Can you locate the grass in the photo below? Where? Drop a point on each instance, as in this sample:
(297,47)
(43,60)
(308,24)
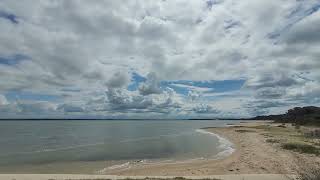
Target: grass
(314,175)
(273,140)
(277,130)
(301,147)
(313,134)
(307,171)
(311,174)
(290,138)
(244,131)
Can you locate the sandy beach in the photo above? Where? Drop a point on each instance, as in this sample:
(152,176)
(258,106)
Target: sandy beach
(253,155)
(111,177)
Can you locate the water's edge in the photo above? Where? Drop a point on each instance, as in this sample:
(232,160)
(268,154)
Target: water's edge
(227,149)
(87,147)
(226,145)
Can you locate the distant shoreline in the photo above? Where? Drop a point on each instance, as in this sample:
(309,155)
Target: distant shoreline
(302,114)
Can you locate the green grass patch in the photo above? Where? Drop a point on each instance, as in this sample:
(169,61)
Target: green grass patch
(273,140)
(243,130)
(279,131)
(264,127)
(301,147)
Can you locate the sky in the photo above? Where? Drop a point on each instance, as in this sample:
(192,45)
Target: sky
(158,59)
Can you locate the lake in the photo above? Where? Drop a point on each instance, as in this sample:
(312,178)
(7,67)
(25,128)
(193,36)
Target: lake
(68,141)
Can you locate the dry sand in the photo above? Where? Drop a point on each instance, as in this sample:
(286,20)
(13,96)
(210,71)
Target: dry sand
(109,177)
(254,158)
(253,155)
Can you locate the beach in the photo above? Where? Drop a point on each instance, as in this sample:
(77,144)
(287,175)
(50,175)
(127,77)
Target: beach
(252,155)
(111,177)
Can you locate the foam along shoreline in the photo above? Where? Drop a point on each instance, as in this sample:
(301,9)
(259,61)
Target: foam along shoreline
(251,154)
(226,146)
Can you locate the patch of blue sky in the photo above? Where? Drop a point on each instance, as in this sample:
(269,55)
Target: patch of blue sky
(70,90)
(136,79)
(225,95)
(220,86)
(184,86)
(24,95)
(177,89)
(8,16)
(212,86)
(228,85)
(13,60)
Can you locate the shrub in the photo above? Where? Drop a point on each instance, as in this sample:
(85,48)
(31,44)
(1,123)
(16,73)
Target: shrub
(309,174)
(273,140)
(282,125)
(244,130)
(307,171)
(301,147)
(313,134)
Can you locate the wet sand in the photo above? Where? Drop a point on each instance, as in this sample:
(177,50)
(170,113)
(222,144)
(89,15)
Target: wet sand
(253,158)
(253,155)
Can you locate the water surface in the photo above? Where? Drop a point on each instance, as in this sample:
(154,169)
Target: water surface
(45,142)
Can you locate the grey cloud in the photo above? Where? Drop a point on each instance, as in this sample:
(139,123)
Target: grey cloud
(151,86)
(121,100)
(154,29)
(306,31)
(119,80)
(70,108)
(264,104)
(124,101)
(192,95)
(274,79)
(270,93)
(36,107)
(205,109)
(308,93)
(269,106)
(3,100)
(177,40)
(28,107)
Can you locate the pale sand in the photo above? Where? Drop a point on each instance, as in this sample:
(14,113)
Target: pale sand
(101,177)
(254,158)
(253,155)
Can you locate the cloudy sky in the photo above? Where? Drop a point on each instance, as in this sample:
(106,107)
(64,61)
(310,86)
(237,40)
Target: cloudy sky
(157,59)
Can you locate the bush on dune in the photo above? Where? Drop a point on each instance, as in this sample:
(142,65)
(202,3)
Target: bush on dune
(301,147)
(310,174)
(307,171)
(273,140)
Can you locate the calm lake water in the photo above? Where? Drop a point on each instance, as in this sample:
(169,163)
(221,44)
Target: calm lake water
(43,142)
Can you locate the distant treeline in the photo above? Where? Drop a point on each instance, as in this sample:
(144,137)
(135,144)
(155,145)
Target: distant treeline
(298,115)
